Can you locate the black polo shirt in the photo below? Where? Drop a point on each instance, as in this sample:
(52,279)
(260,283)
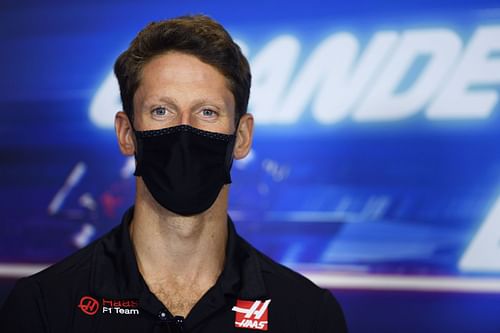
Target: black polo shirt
(99,289)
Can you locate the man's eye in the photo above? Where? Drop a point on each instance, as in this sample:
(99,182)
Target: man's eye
(208,113)
(161,111)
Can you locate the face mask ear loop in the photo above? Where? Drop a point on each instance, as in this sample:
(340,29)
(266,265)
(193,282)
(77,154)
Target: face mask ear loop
(138,150)
(230,148)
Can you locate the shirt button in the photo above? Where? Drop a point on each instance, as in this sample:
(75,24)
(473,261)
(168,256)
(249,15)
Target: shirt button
(163,315)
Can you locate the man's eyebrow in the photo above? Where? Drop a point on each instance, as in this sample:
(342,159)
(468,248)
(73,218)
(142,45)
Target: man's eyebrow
(218,103)
(155,100)
(152,101)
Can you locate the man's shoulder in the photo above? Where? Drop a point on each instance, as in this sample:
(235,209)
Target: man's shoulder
(278,277)
(74,267)
(75,263)
(51,295)
(298,300)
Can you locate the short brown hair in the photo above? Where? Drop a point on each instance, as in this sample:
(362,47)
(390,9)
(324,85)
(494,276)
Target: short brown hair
(197,35)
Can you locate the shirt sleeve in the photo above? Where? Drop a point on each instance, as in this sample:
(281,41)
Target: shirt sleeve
(330,316)
(22,312)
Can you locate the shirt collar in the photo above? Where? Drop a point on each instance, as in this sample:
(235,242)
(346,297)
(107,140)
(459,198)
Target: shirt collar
(114,272)
(242,274)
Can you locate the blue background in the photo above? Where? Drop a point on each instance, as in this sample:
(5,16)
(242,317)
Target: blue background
(376,198)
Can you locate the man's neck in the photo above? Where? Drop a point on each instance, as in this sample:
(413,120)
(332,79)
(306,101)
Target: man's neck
(178,252)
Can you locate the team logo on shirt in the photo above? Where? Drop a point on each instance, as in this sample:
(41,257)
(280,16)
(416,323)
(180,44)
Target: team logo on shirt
(90,306)
(251,314)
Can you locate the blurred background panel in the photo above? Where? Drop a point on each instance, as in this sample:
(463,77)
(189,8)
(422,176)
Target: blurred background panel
(375,169)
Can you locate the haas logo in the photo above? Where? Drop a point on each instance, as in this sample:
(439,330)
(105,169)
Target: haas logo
(251,314)
(89,305)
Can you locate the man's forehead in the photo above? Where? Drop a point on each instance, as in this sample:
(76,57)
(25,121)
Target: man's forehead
(163,77)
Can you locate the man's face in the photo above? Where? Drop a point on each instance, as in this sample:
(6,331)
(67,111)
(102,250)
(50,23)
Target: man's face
(177,88)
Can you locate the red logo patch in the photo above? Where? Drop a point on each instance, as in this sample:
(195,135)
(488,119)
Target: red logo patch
(251,314)
(89,305)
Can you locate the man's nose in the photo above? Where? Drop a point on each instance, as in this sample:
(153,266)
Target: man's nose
(186,118)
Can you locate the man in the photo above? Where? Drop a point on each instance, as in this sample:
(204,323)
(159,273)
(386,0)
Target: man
(176,264)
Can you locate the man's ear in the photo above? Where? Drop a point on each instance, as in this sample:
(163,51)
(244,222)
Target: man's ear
(124,134)
(244,135)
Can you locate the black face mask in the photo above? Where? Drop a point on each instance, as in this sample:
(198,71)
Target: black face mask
(183,167)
